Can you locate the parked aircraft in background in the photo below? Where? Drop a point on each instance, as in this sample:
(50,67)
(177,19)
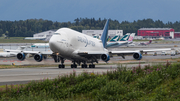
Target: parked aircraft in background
(115,38)
(80,48)
(131,44)
(36,38)
(131,37)
(115,43)
(40,45)
(126,40)
(161,38)
(130,40)
(145,43)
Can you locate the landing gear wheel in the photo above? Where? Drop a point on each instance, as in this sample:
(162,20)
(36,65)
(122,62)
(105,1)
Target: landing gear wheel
(61,66)
(84,66)
(73,66)
(92,66)
(62,61)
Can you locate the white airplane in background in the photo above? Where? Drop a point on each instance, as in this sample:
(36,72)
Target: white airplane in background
(145,43)
(131,37)
(124,41)
(115,38)
(130,40)
(80,48)
(36,38)
(40,45)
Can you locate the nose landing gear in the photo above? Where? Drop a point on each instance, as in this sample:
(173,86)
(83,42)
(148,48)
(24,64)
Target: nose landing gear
(62,65)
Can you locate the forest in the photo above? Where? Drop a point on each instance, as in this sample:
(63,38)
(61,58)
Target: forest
(26,28)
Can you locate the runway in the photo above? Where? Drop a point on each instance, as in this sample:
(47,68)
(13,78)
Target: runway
(24,75)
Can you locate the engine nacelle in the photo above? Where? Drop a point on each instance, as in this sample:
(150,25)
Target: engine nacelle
(38,57)
(21,56)
(105,57)
(137,56)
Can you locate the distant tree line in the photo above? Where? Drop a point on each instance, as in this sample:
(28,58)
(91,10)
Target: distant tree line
(26,28)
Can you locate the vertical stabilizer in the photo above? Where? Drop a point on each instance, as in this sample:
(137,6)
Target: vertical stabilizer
(131,37)
(115,38)
(125,37)
(105,34)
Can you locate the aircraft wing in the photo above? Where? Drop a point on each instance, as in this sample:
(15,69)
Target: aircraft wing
(123,52)
(154,50)
(38,52)
(8,50)
(90,52)
(138,51)
(30,52)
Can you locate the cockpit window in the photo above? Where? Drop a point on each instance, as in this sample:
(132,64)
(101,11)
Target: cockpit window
(57,34)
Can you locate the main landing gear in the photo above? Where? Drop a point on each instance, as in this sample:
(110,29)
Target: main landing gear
(61,65)
(84,65)
(92,66)
(74,65)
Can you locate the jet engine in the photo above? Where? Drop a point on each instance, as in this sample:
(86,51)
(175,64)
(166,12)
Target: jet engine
(38,57)
(21,56)
(105,57)
(137,56)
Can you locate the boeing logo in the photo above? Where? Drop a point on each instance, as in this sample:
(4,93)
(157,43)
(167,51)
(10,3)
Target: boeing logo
(86,41)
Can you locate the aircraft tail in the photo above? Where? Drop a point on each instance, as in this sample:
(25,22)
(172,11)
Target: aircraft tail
(115,38)
(125,37)
(105,34)
(131,37)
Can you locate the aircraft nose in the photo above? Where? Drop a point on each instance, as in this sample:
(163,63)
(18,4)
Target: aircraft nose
(52,43)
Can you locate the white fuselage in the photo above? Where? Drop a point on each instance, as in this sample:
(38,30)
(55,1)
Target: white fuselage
(68,43)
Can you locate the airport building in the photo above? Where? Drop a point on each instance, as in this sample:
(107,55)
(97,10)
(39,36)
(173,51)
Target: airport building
(176,34)
(98,33)
(156,32)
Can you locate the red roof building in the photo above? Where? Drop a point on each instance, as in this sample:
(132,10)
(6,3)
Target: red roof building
(156,32)
(176,34)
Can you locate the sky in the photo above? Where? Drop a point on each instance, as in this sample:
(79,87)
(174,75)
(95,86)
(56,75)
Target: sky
(68,10)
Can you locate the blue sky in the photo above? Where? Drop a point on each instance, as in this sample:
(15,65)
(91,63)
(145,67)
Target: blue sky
(68,10)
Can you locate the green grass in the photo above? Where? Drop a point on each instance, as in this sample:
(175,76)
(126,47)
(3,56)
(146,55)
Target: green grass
(26,66)
(158,82)
(19,40)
